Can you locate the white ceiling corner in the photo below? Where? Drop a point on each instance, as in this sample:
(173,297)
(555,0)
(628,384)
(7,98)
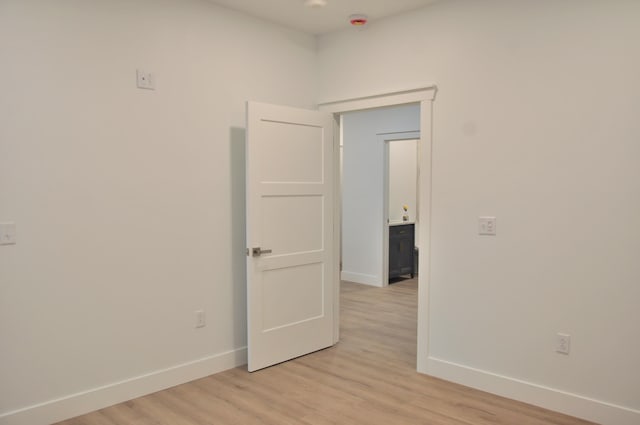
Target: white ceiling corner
(320,20)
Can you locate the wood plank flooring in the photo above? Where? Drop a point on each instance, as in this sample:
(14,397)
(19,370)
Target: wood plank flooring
(368,378)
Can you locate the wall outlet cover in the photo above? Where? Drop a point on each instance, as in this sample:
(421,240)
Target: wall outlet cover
(563,343)
(201,321)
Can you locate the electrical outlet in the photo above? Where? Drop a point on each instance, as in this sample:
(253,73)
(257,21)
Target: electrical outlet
(200,319)
(563,343)
(487,226)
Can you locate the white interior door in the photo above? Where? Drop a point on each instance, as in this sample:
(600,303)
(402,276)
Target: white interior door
(290,196)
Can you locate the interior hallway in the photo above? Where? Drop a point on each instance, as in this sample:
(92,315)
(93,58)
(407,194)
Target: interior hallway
(368,378)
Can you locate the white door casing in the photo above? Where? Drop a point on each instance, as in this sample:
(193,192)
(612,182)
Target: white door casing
(290,212)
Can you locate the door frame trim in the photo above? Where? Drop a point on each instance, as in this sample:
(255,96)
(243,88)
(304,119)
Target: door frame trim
(425,96)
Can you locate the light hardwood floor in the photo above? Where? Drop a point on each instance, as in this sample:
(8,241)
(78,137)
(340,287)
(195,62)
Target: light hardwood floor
(368,378)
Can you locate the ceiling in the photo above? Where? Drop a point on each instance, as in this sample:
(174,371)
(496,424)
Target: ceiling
(320,20)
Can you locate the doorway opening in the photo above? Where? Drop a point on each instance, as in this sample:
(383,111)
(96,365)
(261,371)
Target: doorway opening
(424,97)
(366,136)
(400,200)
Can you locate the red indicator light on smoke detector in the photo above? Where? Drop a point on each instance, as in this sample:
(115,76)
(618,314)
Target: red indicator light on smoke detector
(358,20)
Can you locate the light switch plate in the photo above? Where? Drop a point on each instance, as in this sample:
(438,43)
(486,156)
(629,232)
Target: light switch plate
(7,233)
(487,226)
(145,80)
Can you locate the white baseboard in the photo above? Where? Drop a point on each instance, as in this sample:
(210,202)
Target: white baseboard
(538,395)
(108,395)
(365,279)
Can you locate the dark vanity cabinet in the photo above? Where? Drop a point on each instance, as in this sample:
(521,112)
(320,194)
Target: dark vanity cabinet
(401,248)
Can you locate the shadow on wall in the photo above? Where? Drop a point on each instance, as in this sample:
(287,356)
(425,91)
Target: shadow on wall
(239,234)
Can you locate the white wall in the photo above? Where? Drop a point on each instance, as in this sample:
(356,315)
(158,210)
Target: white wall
(363,185)
(129,204)
(403,179)
(535,122)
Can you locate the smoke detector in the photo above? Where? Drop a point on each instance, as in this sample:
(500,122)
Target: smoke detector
(315,3)
(358,20)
